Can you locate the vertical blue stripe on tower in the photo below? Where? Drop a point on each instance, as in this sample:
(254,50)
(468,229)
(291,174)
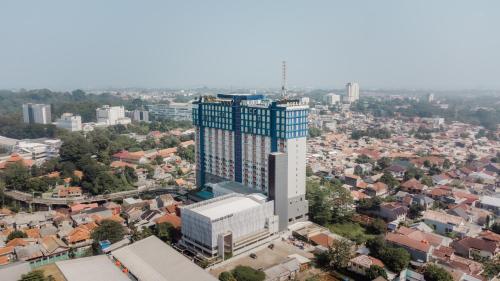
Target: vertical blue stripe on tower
(237,139)
(274,129)
(202,145)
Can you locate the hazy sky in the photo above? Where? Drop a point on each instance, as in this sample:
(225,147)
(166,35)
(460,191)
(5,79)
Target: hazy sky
(440,44)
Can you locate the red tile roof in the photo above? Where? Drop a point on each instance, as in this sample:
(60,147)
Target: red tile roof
(403,240)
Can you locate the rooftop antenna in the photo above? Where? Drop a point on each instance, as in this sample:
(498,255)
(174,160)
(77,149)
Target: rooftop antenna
(283,83)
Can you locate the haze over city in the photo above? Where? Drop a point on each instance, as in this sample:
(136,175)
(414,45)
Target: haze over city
(65,45)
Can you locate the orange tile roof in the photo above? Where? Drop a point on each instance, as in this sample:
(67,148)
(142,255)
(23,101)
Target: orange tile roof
(173,219)
(121,164)
(17,242)
(322,239)
(79,234)
(78,174)
(167,151)
(4,260)
(180,182)
(32,232)
(81,206)
(6,250)
(403,240)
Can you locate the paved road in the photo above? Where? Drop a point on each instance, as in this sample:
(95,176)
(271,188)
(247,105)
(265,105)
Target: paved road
(28,198)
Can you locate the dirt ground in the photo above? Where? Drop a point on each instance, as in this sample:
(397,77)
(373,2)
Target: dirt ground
(51,269)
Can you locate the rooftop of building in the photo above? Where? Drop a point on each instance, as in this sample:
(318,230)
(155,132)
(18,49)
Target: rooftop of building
(90,269)
(225,205)
(150,259)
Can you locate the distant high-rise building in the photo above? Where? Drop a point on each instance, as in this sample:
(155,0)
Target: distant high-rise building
(235,137)
(138,115)
(112,115)
(352,92)
(332,99)
(173,111)
(70,122)
(36,113)
(430,97)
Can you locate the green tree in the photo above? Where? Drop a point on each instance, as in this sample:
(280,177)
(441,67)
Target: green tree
(396,259)
(108,230)
(226,276)
(426,180)
(16,234)
(384,162)
(186,153)
(319,206)
(75,147)
(378,226)
(246,273)
(309,171)
(415,211)
(389,179)
(314,132)
(375,271)
(433,272)
(16,175)
(166,232)
(376,245)
(446,164)
(362,159)
(496,228)
(130,174)
(491,268)
(341,203)
(339,253)
(35,275)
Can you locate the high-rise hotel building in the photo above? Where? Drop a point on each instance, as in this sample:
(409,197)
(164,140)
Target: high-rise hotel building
(238,134)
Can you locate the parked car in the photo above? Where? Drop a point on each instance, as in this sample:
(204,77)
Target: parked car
(253,255)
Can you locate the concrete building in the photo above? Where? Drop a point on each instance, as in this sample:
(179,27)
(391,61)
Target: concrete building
(70,122)
(236,137)
(138,115)
(112,115)
(236,133)
(332,99)
(37,113)
(173,111)
(352,89)
(228,225)
(38,151)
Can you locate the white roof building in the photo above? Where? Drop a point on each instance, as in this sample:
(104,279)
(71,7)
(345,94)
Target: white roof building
(231,223)
(150,259)
(91,269)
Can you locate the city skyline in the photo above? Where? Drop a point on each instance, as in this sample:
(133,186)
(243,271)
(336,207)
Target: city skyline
(390,45)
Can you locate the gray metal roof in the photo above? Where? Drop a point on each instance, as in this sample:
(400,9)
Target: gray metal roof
(152,260)
(91,269)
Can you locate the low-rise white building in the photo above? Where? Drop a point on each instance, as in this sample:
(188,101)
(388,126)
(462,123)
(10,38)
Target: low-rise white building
(228,225)
(112,115)
(70,122)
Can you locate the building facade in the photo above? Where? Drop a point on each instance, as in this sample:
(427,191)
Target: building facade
(228,225)
(236,133)
(37,113)
(112,115)
(70,122)
(352,89)
(235,138)
(173,111)
(138,115)
(332,99)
